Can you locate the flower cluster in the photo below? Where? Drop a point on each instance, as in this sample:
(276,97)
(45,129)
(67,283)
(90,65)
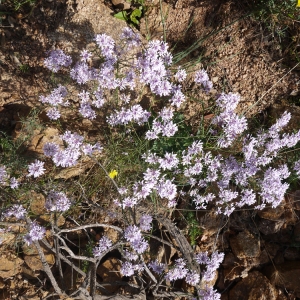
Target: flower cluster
(57,59)
(232,124)
(103,245)
(212,263)
(17,211)
(201,77)
(36,232)
(36,168)
(134,236)
(57,201)
(69,156)
(5,179)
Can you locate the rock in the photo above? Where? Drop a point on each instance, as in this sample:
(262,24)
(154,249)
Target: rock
(2,284)
(9,267)
(292,254)
(49,218)
(34,261)
(121,4)
(32,258)
(245,245)
(255,286)
(285,275)
(7,238)
(269,227)
(49,135)
(70,172)
(112,234)
(296,233)
(109,272)
(270,213)
(295,198)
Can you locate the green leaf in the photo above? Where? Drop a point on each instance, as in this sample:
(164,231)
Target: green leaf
(122,15)
(134,15)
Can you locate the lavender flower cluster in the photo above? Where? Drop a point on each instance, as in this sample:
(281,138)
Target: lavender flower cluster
(252,178)
(69,156)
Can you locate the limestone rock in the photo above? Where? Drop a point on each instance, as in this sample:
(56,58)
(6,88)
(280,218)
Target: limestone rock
(285,275)
(245,245)
(121,4)
(34,261)
(270,213)
(109,272)
(269,227)
(255,286)
(9,267)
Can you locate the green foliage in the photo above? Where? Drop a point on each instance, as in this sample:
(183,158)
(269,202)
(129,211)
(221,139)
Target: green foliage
(133,15)
(24,68)
(280,18)
(194,230)
(182,138)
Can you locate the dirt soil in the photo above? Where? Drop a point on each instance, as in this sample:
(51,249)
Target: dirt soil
(239,56)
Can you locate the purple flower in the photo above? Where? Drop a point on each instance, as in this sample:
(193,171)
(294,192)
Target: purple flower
(202,258)
(202,78)
(81,73)
(53,113)
(169,129)
(87,111)
(56,97)
(272,189)
(103,245)
(17,211)
(56,60)
(169,162)
(156,266)
(145,222)
(209,294)
(85,55)
(13,183)
(180,75)
(3,175)
(57,201)
(132,233)
(178,272)
(177,99)
(36,169)
(132,39)
(192,278)
(107,45)
(228,102)
(139,245)
(50,149)
(297,167)
(127,269)
(130,255)
(36,232)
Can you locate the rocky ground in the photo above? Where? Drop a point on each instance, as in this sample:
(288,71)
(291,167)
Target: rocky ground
(262,256)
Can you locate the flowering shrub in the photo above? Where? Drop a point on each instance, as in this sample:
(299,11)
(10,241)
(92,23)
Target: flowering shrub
(249,176)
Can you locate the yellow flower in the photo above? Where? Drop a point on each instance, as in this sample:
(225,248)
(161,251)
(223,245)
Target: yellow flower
(298,4)
(112,174)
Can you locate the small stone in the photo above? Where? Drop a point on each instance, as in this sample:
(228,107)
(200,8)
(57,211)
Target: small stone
(245,245)
(285,275)
(9,268)
(269,227)
(255,286)
(109,272)
(270,213)
(121,4)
